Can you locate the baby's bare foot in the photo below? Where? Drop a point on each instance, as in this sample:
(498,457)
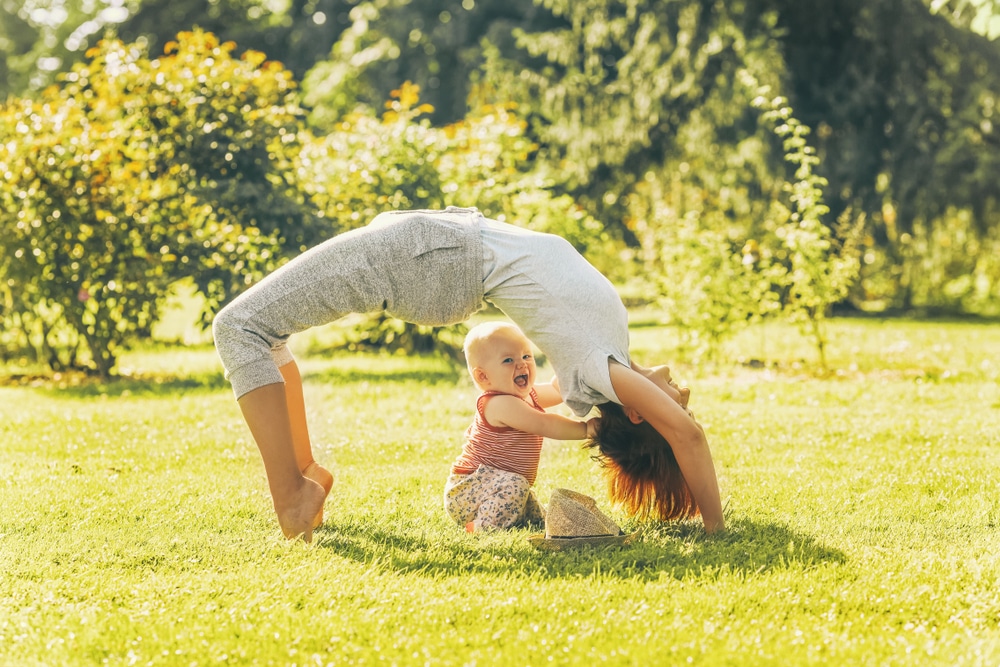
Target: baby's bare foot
(324,478)
(297,518)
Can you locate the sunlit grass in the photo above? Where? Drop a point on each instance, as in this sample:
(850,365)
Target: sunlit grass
(863,505)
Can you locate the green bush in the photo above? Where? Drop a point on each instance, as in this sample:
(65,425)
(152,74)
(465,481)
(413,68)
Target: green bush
(135,173)
(720,256)
(820,266)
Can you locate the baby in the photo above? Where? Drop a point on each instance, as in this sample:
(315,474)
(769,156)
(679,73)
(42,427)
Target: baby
(490,482)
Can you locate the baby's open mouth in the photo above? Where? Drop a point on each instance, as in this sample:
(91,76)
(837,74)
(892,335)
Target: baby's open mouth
(521,380)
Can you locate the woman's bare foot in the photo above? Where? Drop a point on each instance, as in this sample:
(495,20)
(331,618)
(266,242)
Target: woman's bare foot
(298,516)
(324,478)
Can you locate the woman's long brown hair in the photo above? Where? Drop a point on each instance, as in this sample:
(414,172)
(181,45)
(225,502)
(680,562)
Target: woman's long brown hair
(641,470)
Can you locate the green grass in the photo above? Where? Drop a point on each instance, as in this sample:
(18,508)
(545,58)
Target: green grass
(863,506)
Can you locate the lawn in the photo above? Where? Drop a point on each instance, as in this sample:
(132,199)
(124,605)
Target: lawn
(863,507)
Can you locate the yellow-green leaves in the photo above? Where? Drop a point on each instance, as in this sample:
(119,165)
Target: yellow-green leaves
(134,173)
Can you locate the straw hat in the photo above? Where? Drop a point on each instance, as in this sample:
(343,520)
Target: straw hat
(573,520)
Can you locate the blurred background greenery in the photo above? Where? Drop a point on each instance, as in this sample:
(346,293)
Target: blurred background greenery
(725,163)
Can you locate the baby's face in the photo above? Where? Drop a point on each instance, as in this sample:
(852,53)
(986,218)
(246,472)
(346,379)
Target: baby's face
(508,364)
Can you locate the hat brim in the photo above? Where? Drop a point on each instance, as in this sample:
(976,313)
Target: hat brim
(562,543)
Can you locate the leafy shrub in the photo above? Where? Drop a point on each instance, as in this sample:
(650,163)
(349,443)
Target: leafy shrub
(722,255)
(819,268)
(136,173)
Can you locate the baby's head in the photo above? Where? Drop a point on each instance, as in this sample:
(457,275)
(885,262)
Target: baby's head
(500,358)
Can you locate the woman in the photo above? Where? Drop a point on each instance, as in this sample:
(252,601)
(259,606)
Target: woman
(437,268)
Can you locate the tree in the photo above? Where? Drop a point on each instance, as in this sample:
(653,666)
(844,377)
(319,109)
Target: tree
(136,173)
(611,86)
(901,102)
(979,16)
(40,39)
(903,105)
(436,45)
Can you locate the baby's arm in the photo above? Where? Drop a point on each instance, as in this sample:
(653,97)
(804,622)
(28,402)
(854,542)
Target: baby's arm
(515,413)
(661,377)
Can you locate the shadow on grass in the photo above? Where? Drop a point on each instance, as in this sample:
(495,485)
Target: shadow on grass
(673,551)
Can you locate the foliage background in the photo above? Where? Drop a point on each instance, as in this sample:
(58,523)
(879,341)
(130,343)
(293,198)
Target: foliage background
(215,141)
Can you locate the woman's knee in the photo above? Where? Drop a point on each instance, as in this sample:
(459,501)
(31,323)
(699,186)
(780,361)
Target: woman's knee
(225,327)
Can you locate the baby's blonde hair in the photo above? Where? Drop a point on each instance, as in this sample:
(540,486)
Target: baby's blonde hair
(478,339)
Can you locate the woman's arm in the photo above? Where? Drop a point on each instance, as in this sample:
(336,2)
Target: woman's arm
(686,437)
(661,377)
(515,413)
(547,393)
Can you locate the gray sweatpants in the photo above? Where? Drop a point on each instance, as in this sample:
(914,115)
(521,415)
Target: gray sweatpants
(422,267)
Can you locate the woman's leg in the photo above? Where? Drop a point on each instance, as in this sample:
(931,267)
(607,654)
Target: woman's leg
(413,268)
(297,500)
(319,286)
(300,433)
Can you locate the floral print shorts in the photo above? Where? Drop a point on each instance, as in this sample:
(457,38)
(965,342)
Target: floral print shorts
(491,498)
